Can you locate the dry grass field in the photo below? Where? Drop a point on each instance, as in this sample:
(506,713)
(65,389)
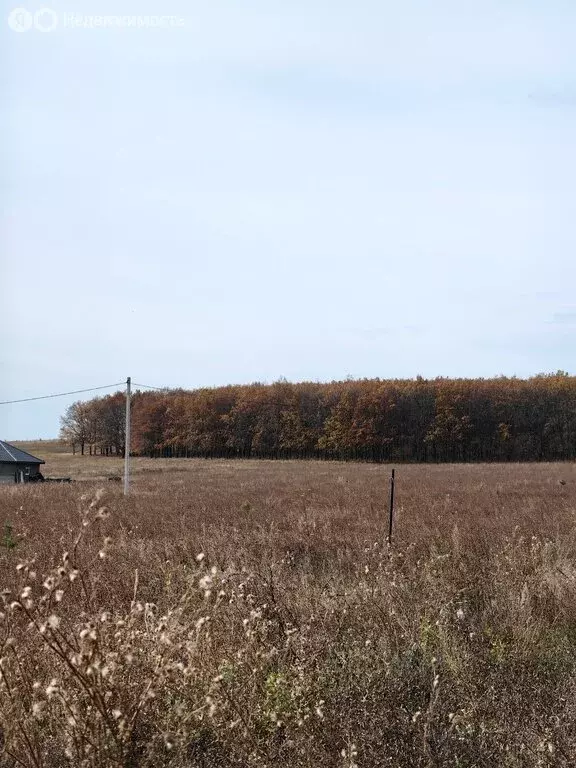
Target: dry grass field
(234,614)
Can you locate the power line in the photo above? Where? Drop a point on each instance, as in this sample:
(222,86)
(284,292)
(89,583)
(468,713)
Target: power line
(147,386)
(62,394)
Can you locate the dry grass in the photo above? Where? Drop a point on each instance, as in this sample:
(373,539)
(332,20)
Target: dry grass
(298,638)
(43,448)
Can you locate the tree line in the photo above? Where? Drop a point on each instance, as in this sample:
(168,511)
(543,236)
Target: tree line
(421,420)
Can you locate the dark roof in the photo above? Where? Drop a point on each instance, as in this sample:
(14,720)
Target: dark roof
(11,455)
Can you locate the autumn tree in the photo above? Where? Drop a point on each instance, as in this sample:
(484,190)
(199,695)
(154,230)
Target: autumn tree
(78,425)
(500,419)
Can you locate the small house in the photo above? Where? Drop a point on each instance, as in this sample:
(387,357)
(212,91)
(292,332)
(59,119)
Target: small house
(17,466)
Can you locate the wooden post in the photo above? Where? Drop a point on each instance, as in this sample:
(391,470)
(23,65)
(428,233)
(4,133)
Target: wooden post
(391,515)
(127,439)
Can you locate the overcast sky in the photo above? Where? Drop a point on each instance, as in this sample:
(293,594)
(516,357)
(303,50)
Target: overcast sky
(304,189)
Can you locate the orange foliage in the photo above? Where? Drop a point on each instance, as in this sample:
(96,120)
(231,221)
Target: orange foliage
(498,419)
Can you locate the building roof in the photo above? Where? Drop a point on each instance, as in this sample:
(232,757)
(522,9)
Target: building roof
(11,455)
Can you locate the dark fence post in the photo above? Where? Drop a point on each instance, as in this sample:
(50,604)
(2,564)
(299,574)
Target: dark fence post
(391,515)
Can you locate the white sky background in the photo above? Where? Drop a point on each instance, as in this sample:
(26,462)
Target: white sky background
(305,189)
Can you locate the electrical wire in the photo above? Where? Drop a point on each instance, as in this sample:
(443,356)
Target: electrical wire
(147,386)
(62,394)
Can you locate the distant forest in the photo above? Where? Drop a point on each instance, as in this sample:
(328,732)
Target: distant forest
(420,420)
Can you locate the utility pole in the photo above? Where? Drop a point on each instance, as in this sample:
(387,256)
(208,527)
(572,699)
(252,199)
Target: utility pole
(127,439)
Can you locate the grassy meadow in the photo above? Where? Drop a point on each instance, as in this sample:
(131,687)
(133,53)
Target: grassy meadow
(235,614)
